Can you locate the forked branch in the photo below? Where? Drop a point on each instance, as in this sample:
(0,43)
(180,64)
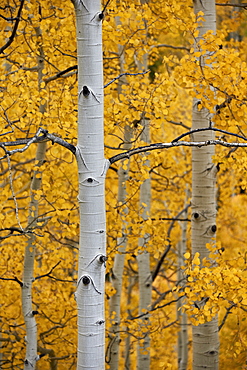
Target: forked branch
(11,38)
(45,136)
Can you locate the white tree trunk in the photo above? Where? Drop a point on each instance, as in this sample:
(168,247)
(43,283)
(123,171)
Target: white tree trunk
(118,267)
(28,312)
(144,274)
(182,315)
(143,258)
(92,168)
(29,258)
(205,336)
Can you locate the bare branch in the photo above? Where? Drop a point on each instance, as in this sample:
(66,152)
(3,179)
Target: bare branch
(28,142)
(179,124)
(157,146)
(61,74)
(156,308)
(209,129)
(244,5)
(176,143)
(13,279)
(228,311)
(19,232)
(169,46)
(126,74)
(161,260)
(35,139)
(11,38)
(48,274)
(165,219)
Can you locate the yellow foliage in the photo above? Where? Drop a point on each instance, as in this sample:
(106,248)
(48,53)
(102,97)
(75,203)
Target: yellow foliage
(164,97)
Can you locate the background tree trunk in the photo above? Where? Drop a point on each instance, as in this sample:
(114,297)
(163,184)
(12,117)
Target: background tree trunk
(28,312)
(143,258)
(144,274)
(182,315)
(30,250)
(118,266)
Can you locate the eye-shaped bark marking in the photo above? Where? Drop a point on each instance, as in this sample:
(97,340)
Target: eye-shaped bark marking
(90,181)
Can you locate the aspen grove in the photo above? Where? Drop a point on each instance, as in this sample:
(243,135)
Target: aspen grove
(123,184)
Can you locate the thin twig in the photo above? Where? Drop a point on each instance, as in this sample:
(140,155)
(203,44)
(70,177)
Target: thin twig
(169,46)
(48,273)
(12,279)
(155,308)
(209,129)
(176,143)
(126,74)
(244,5)
(35,139)
(11,38)
(13,193)
(60,74)
(161,260)
(228,311)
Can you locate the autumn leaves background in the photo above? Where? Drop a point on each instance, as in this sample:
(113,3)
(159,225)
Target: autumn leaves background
(137,36)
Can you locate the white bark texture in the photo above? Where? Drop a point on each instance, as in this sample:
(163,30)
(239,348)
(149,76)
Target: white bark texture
(118,267)
(29,258)
(144,274)
(27,309)
(182,315)
(205,336)
(92,168)
(143,258)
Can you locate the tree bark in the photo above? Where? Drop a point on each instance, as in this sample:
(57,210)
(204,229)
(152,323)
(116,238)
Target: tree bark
(205,336)
(182,315)
(30,250)
(92,168)
(144,273)
(28,312)
(143,258)
(118,266)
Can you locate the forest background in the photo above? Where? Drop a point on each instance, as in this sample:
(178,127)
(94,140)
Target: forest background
(152,72)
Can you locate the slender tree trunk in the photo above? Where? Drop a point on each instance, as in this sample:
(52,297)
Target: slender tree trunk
(143,258)
(28,312)
(144,274)
(92,168)
(182,315)
(118,266)
(128,349)
(205,336)
(29,257)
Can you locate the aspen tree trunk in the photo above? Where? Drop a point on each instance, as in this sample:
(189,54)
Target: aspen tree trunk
(144,274)
(92,168)
(29,257)
(28,312)
(235,35)
(143,258)
(182,316)
(118,266)
(127,348)
(205,336)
